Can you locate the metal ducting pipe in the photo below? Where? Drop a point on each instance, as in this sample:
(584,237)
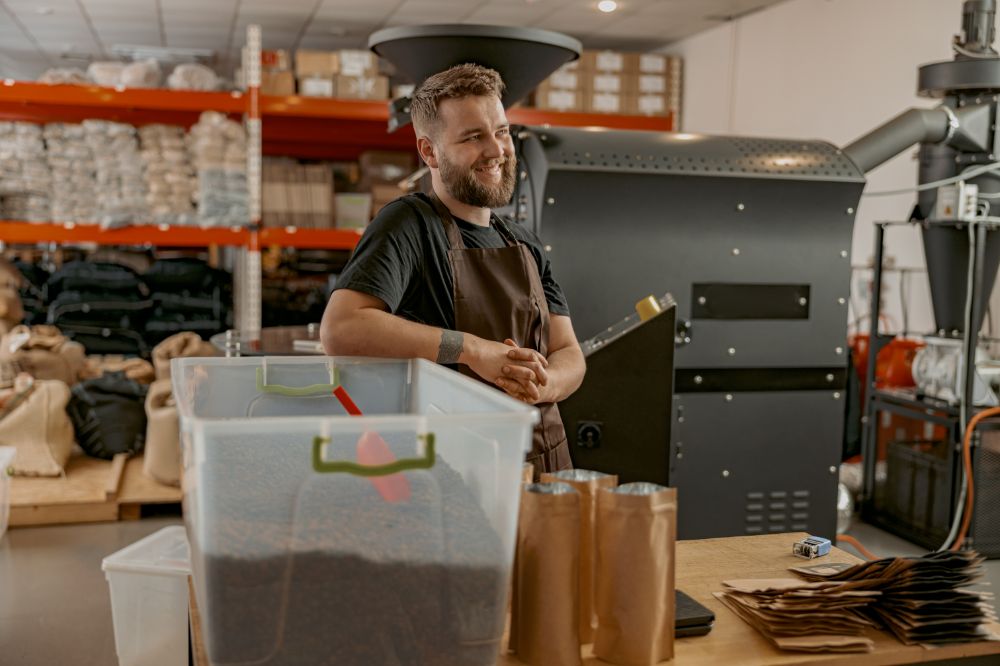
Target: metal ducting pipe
(888,140)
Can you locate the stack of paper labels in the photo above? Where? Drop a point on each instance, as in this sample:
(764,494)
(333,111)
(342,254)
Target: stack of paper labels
(920,600)
(810,617)
(923,599)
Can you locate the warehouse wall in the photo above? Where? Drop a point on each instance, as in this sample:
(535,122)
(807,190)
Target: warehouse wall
(832,70)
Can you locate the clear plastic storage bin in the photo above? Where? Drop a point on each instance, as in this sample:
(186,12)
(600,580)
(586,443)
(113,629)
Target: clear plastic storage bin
(149,599)
(321,537)
(6,460)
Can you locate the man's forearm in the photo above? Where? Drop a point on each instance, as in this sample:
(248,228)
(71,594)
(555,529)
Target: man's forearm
(566,370)
(373,332)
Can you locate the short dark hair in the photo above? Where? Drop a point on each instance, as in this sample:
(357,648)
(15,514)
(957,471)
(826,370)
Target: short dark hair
(453,83)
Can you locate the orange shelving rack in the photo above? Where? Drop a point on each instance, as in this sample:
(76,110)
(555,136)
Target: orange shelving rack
(295,126)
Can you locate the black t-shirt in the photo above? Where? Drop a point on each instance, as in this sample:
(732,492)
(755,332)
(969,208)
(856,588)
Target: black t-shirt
(402,259)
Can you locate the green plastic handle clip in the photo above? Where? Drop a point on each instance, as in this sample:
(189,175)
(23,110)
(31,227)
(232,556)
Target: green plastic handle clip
(368,471)
(296,391)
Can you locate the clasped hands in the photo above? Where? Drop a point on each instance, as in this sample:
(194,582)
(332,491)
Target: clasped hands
(518,371)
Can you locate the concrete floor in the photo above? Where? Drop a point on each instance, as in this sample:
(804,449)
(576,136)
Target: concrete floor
(55,606)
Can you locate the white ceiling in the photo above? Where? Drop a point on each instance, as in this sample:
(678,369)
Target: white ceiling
(38,34)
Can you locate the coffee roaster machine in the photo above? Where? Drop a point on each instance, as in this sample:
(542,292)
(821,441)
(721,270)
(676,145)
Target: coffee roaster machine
(752,238)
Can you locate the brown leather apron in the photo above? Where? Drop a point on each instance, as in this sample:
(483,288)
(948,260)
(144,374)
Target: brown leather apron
(498,294)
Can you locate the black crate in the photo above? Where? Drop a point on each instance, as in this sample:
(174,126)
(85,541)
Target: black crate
(916,496)
(985,527)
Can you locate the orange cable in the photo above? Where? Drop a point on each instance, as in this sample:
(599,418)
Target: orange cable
(846,538)
(967,466)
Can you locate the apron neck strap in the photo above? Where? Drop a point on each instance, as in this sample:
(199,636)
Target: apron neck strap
(450,228)
(454,234)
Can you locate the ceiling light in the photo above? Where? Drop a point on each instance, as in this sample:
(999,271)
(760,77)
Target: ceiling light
(162,54)
(607,6)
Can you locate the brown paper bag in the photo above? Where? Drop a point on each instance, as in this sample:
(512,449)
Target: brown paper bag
(545,610)
(636,531)
(33,420)
(587,483)
(162,459)
(180,345)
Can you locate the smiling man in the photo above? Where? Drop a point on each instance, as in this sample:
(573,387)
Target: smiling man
(441,277)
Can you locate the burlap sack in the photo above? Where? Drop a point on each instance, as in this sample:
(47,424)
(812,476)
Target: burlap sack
(544,615)
(9,275)
(181,345)
(11,309)
(588,484)
(34,421)
(134,368)
(636,531)
(162,459)
(44,353)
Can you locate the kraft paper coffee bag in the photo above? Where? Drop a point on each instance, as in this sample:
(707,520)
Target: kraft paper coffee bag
(636,531)
(546,608)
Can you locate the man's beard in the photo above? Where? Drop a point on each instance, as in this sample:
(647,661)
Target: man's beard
(464,186)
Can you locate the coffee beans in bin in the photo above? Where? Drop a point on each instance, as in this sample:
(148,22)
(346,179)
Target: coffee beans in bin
(346,577)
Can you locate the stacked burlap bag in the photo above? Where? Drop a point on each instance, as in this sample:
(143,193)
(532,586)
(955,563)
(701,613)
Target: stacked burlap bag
(180,345)
(11,307)
(25,179)
(163,452)
(33,420)
(218,151)
(44,353)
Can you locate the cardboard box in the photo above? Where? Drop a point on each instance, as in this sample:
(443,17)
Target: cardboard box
(648,105)
(384,167)
(277,83)
(358,62)
(609,61)
(353,210)
(276,60)
(652,63)
(601,102)
(384,194)
(294,194)
(564,79)
(316,63)
(316,86)
(403,90)
(651,84)
(361,87)
(604,82)
(555,99)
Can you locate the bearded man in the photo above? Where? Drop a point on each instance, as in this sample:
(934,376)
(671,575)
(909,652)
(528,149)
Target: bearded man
(441,277)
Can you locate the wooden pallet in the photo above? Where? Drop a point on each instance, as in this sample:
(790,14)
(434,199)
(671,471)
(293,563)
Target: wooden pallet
(92,491)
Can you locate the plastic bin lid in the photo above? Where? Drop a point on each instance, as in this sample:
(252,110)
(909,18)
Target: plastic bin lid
(165,552)
(7,454)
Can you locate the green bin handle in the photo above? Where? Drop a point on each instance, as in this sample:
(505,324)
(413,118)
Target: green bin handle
(296,391)
(368,471)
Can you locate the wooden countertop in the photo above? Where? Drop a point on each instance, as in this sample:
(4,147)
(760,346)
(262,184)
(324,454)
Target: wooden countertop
(702,565)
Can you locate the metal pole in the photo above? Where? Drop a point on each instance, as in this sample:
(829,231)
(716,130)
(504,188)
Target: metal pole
(248,273)
(869,443)
(977,251)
